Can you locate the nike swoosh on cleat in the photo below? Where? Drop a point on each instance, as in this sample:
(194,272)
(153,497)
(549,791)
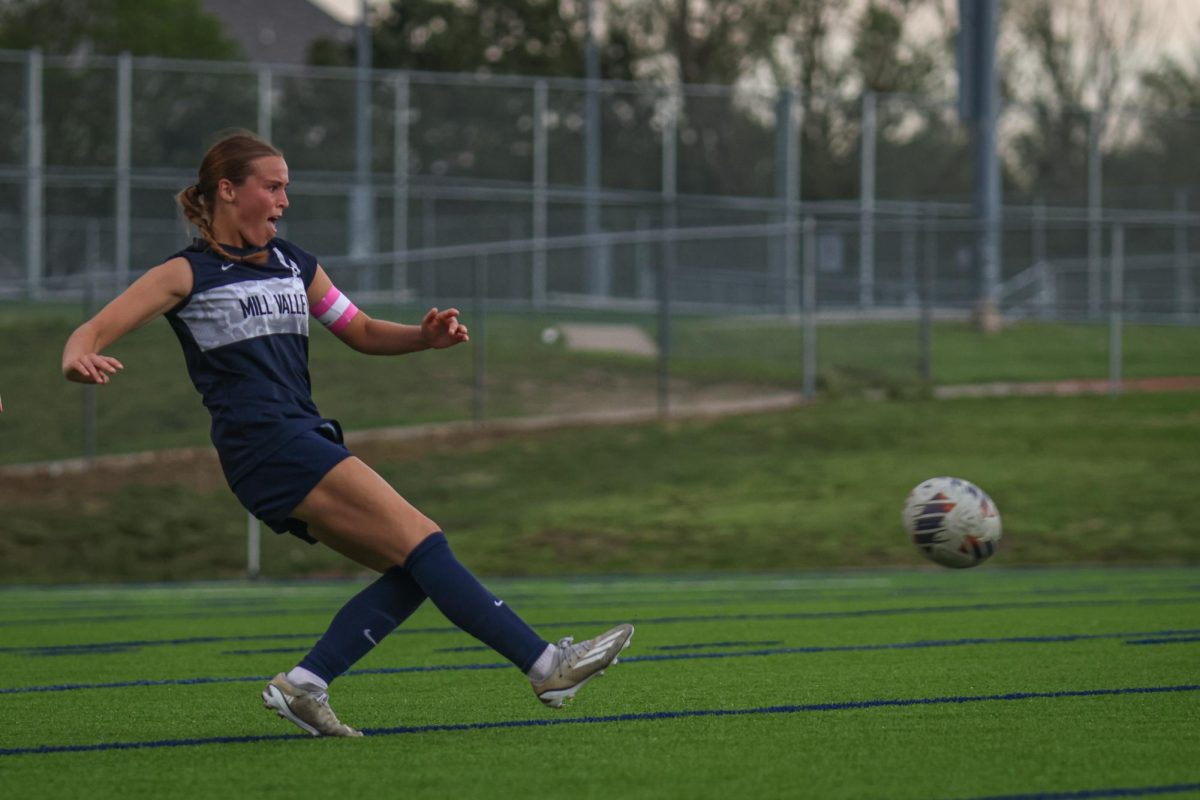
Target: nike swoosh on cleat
(367,633)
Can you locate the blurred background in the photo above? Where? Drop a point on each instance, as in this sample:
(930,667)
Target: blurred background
(696,174)
(642,207)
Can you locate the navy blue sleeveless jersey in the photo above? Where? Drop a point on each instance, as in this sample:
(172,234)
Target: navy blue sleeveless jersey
(244,333)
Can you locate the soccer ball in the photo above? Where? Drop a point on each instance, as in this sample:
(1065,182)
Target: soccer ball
(952,521)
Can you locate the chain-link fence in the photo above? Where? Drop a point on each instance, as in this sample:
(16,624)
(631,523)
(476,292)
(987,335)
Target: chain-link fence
(92,149)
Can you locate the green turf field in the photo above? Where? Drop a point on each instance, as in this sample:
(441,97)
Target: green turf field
(911,684)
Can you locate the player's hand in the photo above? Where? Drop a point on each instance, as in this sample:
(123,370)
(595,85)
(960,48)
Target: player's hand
(92,368)
(442,328)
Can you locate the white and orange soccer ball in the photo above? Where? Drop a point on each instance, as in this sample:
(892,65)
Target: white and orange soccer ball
(953,522)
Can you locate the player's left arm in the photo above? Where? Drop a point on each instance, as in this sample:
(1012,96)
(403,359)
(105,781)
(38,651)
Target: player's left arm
(438,328)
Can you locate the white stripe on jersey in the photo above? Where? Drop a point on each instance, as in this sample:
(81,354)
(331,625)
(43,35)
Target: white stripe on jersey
(235,312)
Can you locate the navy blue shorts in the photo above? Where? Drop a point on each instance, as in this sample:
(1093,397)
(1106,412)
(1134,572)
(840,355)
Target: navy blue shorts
(273,489)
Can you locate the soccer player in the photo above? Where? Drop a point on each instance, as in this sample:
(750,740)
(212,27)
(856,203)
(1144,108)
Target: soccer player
(239,300)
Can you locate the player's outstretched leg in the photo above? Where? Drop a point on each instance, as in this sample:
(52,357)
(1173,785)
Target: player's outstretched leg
(572,665)
(556,671)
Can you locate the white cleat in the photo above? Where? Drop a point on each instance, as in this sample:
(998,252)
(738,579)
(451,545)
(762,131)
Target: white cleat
(308,711)
(576,664)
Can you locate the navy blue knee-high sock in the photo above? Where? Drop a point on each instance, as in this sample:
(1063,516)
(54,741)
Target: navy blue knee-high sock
(466,603)
(362,623)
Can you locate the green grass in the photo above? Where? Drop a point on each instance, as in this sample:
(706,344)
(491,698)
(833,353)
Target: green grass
(152,404)
(1077,479)
(802,644)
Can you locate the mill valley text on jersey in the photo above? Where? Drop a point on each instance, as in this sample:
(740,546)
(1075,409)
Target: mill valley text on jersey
(263,305)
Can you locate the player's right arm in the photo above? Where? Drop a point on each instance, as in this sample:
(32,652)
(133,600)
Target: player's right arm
(155,293)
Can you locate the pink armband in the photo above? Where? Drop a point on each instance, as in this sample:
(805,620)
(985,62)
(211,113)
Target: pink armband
(335,310)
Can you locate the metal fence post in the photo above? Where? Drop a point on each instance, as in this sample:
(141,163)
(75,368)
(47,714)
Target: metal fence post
(124,162)
(1045,297)
(1116,301)
(91,259)
(925,328)
(866,231)
(264,102)
(599,276)
(478,336)
(910,243)
(791,200)
(642,252)
(35,163)
(810,308)
(429,283)
(1095,214)
(362,193)
(1183,282)
(666,269)
(253,546)
(670,186)
(668,249)
(400,147)
(540,181)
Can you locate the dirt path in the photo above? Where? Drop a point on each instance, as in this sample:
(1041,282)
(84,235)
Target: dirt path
(1067,388)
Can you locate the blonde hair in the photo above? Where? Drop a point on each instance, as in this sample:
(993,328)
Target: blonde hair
(231,157)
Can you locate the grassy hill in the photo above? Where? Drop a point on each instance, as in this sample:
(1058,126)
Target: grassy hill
(1077,480)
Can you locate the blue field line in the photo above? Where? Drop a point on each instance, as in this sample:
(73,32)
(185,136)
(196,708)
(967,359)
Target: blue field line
(471,648)
(701,645)
(1086,794)
(71,687)
(85,649)
(651,716)
(916,645)
(261,651)
(951,608)
(775,651)
(1178,640)
(697,645)
(74,649)
(266,611)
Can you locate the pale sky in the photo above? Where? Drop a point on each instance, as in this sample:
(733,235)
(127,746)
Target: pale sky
(1170,25)
(345,11)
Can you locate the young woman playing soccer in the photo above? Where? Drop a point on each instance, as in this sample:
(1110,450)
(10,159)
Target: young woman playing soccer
(238,300)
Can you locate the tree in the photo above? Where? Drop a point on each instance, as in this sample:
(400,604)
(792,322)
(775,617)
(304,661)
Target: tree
(747,45)
(168,28)
(535,37)
(915,120)
(80,98)
(1063,63)
(80,92)
(1157,168)
(714,42)
(1172,87)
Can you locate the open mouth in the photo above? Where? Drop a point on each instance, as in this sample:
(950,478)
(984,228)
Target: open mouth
(273,224)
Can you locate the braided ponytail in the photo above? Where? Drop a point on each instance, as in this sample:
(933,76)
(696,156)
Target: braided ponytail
(195,209)
(231,158)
